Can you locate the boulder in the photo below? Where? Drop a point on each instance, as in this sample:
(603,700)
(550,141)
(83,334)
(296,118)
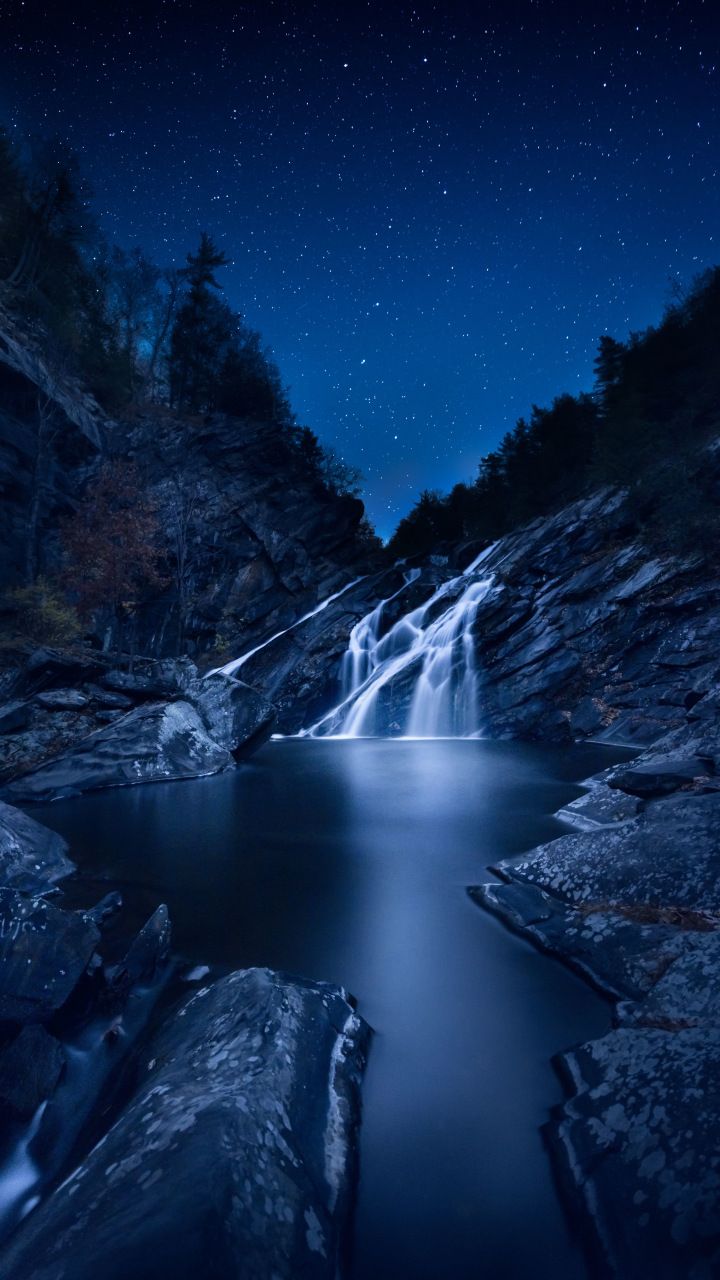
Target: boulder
(107,699)
(235,715)
(50,667)
(106,908)
(43,954)
(620,956)
(32,858)
(639,1138)
(14,716)
(153,743)
(145,958)
(62,700)
(138,686)
(30,1067)
(234,1158)
(667,856)
(658,778)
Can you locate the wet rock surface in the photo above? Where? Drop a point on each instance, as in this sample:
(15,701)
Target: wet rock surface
(237,717)
(631,900)
(182,724)
(235,1156)
(639,1140)
(32,858)
(31,1064)
(44,952)
(154,743)
(667,855)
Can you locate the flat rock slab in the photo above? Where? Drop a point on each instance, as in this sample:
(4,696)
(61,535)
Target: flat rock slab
(621,957)
(32,858)
(600,807)
(660,778)
(687,995)
(641,1140)
(154,743)
(136,685)
(62,700)
(668,855)
(234,1159)
(43,954)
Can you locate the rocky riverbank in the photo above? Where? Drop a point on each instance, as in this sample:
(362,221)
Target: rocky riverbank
(631,901)
(589,633)
(255,1062)
(74,724)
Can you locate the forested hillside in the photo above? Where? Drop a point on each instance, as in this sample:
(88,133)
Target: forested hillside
(654,406)
(159,494)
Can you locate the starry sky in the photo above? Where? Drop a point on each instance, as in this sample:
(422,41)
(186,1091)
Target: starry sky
(433,210)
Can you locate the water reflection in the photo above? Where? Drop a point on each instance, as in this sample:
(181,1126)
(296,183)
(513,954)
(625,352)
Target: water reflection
(348,861)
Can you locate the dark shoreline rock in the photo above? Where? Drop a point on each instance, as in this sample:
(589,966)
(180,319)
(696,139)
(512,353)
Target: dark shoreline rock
(154,743)
(32,858)
(631,901)
(637,1139)
(236,1155)
(117,733)
(44,951)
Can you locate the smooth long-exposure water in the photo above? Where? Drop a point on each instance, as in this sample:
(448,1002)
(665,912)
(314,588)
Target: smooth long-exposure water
(348,861)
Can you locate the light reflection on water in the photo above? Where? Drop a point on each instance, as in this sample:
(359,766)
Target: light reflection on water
(348,861)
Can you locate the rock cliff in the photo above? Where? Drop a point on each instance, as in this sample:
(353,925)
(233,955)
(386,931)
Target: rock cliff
(252,537)
(586,632)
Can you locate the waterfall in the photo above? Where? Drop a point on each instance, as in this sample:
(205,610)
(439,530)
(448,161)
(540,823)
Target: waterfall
(361,656)
(444,700)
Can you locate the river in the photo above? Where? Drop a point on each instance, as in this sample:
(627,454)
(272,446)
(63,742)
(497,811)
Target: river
(348,861)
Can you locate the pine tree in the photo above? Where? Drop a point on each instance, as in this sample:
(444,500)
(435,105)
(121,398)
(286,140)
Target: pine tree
(12,204)
(608,369)
(202,332)
(56,221)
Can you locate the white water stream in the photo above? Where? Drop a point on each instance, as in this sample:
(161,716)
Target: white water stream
(444,701)
(231,668)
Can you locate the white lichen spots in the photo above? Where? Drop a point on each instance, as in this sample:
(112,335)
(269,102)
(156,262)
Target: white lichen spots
(652,1164)
(314,1233)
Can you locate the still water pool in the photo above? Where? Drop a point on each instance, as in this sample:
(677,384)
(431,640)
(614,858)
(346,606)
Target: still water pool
(348,861)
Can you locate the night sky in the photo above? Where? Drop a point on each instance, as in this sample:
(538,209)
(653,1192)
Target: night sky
(432,210)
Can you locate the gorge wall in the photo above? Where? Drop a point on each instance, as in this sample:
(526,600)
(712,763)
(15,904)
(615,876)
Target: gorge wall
(586,631)
(258,537)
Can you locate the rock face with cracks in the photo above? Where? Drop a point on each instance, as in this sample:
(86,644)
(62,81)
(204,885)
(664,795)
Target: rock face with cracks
(31,857)
(235,1156)
(154,743)
(631,899)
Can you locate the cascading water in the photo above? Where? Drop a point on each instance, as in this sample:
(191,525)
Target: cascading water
(444,701)
(361,656)
(231,668)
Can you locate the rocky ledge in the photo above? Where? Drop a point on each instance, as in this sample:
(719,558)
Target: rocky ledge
(631,899)
(72,724)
